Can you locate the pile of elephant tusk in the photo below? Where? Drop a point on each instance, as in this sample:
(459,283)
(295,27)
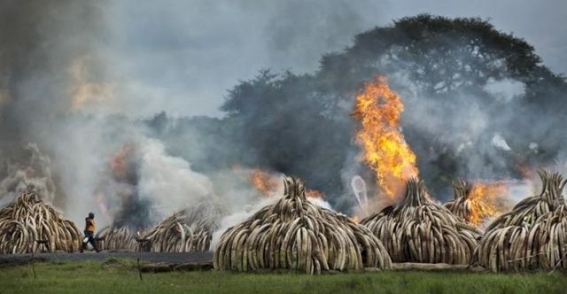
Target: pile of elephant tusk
(296,234)
(464,206)
(117,238)
(533,235)
(188,230)
(28,220)
(419,230)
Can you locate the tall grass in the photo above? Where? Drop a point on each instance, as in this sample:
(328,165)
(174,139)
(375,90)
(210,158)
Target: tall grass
(121,276)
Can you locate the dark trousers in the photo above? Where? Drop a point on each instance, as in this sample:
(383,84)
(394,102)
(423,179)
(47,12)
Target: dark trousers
(91,240)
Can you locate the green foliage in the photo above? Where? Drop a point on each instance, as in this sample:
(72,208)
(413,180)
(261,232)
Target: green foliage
(439,53)
(284,125)
(301,124)
(122,277)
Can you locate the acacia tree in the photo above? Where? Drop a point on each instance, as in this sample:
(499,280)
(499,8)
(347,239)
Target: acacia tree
(441,54)
(283,126)
(453,62)
(301,124)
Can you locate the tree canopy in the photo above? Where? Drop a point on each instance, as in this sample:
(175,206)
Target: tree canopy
(452,74)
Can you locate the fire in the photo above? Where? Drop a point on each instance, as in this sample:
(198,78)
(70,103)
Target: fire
(267,184)
(486,200)
(526,171)
(314,194)
(384,148)
(264,182)
(121,162)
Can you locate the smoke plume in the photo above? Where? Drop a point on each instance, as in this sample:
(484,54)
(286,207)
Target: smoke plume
(78,83)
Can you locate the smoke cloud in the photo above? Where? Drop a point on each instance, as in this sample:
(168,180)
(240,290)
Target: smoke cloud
(181,56)
(79,79)
(41,40)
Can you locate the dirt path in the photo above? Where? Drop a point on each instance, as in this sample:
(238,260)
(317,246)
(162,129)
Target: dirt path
(154,257)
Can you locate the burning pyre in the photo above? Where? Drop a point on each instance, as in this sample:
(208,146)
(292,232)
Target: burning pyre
(533,235)
(295,234)
(268,184)
(27,221)
(264,182)
(29,168)
(475,203)
(384,148)
(187,230)
(117,238)
(122,233)
(415,229)
(132,213)
(419,230)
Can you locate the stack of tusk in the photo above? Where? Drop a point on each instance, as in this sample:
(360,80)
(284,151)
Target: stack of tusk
(296,234)
(419,230)
(188,230)
(533,235)
(462,205)
(28,219)
(117,238)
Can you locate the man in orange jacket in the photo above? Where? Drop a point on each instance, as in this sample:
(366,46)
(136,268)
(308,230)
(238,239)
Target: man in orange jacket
(90,227)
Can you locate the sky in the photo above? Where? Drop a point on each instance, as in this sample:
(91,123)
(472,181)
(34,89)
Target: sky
(182,56)
(140,58)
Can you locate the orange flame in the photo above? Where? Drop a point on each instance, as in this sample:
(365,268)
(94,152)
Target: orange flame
(267,184)
(119,162)
(264,182)
(379,108)
(526,171)
(486,200)
(314,194)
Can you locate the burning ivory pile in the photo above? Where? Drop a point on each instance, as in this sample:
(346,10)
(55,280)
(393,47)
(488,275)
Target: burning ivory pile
(470,209)
(27,222)
(531,236)
(419,230)
(296,234)
(117,238)
(187,230)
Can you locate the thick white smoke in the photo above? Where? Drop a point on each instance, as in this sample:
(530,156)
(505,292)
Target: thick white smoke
(62,73)
(168,182)
(30,174)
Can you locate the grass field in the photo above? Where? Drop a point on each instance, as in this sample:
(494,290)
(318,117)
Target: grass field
(121,276)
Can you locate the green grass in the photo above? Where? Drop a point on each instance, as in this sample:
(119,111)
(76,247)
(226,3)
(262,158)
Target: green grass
(122,277)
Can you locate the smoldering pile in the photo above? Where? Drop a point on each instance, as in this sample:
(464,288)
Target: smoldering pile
(419,230)
(295,234)
(132,217)
(131,214)
(28,219)
(187,230)
(465,206)
(533,235)
(117,238)
(28,166)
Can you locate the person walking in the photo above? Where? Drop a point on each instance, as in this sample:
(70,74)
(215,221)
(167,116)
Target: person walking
(90,227)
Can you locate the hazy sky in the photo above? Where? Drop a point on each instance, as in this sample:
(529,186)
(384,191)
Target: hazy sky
(181,56)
